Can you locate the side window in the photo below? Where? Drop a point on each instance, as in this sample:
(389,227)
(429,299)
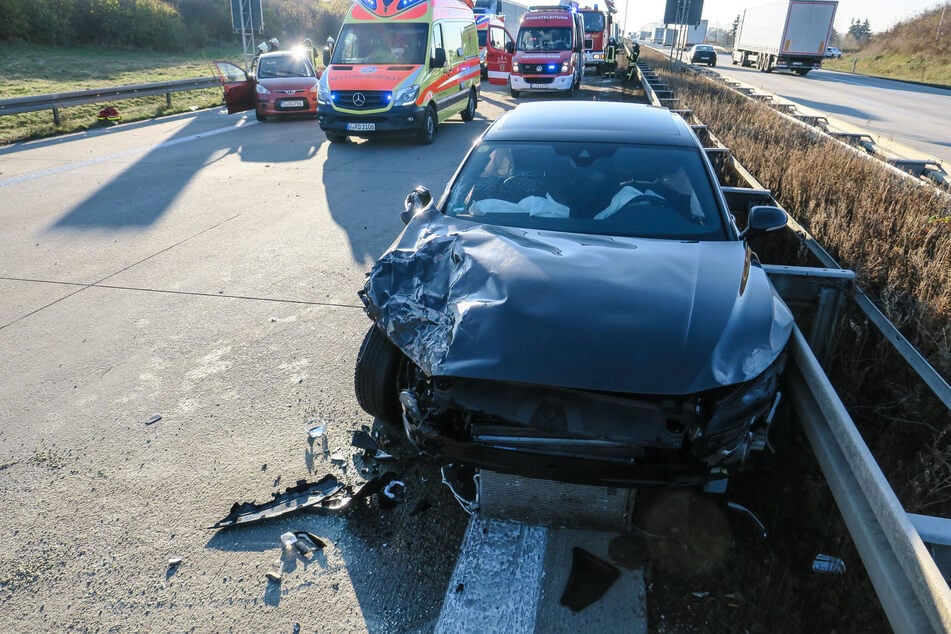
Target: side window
(437,39)
(452,38)
(496,36)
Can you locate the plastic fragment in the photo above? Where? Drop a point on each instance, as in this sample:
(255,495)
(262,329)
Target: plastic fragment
(316,427)
(827,564)
(363,440)
(153,420)
(589,579)
(303,495)
(174,561)
(276,573)
(288,539)
(308,540)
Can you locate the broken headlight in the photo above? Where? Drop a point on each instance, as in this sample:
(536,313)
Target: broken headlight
(735,412)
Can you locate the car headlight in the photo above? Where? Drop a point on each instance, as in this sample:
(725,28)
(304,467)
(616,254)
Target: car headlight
(564,66)
(406,96)
(323,92)
(261,90)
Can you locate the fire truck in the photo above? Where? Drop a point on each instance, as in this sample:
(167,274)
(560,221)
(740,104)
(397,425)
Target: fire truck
(598,30)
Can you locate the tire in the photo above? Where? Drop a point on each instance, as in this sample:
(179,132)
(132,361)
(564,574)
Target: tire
(375,377)
(514,93)
(801,73)
(336,138)
(427,133)
(570,92)
(259,116)
(712,64)
(469,113)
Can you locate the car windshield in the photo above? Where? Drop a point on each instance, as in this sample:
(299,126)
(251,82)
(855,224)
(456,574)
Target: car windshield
(544,39)
(284,66)
(594,188)
(392,43)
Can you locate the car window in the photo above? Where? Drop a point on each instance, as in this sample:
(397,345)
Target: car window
(544,39)
(394,43)
(597,188)
(284,66)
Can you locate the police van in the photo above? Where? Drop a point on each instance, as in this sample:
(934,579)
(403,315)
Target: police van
(400,67)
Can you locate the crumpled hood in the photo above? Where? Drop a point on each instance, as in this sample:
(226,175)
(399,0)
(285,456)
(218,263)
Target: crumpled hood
(590,312)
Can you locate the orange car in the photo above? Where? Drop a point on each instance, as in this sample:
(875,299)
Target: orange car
(282,82)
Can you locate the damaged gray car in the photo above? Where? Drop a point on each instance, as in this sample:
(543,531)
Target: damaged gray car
(578,306)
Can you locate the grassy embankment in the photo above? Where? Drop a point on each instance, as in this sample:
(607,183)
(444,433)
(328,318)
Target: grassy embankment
(34,70)
(895,234)
(914,50)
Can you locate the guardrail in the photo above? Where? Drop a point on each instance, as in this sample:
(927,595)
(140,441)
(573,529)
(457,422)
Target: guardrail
(891,542)
(55,101)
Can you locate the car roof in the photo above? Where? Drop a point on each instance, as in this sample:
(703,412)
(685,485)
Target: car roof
(600,121)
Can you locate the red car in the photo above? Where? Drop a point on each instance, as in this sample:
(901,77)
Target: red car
(282,82)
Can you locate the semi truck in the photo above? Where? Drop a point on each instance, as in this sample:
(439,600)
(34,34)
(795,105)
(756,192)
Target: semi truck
(511,11)
(695,34)
(789,35)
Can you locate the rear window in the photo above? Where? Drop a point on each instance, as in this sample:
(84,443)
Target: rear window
(595,188)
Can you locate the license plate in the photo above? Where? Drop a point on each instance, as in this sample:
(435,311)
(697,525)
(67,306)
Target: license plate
(292,103)
(361,126)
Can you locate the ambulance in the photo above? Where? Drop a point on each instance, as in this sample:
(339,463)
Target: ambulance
(496,46)
(549,51)
(400,67)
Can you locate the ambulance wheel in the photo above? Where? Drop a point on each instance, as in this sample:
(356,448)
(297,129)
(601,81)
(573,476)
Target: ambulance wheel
(428,132)
(469,113)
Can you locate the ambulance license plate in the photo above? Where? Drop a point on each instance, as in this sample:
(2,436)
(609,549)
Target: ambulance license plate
(361,126)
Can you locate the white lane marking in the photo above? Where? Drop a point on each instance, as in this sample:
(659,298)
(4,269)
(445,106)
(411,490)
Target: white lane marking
(23,178)
(496,584)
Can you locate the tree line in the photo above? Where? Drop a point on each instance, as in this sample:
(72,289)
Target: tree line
(160,25)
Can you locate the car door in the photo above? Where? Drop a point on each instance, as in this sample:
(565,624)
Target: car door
(498,54)
(238,87)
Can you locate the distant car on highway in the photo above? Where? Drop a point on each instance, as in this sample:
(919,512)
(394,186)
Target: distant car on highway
(279,83)
(703,54)
(832,51)
(579,305)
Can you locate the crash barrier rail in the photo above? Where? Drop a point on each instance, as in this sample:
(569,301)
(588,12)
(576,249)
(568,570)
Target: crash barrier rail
(927,168)
(901,551)
(55,101)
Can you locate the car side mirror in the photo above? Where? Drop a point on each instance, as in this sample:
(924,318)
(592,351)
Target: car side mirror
(763,219)
(416,201)
(510,47)
(438,60)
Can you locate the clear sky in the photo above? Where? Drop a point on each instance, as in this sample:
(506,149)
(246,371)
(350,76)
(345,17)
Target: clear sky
(881,14)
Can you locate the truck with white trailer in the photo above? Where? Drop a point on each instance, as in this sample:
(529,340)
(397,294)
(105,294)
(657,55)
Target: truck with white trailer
(790,35)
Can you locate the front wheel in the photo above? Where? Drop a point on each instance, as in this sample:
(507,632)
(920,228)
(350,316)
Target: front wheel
(375,377)
(469,113)
(428,132)
(259,116)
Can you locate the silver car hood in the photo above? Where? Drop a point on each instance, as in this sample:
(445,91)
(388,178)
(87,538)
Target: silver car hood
(591,312)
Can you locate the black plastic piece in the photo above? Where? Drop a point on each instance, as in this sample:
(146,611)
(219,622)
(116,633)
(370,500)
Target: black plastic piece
(589,579)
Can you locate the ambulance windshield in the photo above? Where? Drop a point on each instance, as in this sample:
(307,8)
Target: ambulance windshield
(381,44)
